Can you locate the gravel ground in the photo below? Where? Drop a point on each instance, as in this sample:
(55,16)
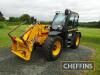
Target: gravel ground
(12,65)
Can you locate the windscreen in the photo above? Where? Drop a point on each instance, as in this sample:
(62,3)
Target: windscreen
(58,21)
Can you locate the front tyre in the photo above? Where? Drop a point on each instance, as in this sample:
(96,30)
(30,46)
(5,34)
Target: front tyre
(53,47)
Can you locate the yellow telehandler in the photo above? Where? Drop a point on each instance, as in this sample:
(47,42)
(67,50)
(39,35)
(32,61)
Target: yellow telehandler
(63,32)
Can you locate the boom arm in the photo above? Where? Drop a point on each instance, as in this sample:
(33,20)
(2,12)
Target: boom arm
(22,46)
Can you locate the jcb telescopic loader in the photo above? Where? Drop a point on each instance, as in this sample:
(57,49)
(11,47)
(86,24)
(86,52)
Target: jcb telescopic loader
(63,32)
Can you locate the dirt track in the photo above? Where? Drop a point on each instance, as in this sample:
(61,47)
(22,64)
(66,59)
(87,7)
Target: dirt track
(12,65)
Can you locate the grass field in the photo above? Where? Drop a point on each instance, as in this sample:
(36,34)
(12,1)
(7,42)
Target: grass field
(90,38)
(5,41)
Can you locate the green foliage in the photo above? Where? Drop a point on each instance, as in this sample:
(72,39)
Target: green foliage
(33,20)
(98,24)
(25,18)
(13,19)
(3,25)
(91,38)
(5,41)
(12,23)
(90,24)
(46,22)
(7,23)
(1,17)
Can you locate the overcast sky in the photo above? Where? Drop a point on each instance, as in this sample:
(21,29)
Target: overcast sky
(89,10)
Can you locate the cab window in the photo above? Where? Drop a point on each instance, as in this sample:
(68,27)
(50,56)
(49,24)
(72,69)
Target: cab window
(76,21)
(71,21)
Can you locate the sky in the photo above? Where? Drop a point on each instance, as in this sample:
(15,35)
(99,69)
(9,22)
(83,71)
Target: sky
(89,10)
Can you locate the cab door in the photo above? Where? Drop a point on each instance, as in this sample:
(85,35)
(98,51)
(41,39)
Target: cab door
(71,20)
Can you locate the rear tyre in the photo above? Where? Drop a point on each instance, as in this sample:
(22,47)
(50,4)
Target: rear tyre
(76,40)
(52,47)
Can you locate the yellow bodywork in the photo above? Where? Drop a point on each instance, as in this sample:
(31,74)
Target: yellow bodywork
(22,46)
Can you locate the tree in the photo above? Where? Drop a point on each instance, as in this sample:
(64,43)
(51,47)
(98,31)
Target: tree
(25,18)
(32,19)
(1,17)
(13,19)
(98,24)
(1,14)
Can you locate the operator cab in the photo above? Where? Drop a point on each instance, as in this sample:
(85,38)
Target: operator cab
(65,21)
(58,21)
